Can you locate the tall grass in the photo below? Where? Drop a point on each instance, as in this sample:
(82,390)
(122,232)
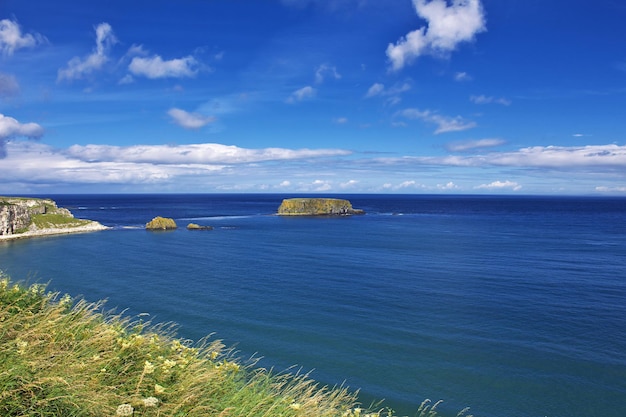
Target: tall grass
(60,357)
(64,357)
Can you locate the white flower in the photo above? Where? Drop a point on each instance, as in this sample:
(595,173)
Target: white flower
(150,402)
(125,410)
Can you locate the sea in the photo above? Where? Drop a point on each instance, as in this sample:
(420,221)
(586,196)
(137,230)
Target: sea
(514,306)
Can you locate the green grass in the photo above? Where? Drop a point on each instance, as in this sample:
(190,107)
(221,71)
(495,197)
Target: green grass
(61,357)
(64,357)
(54,220)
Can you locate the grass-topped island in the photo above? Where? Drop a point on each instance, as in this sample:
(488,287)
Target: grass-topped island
(22,217)
(317,207)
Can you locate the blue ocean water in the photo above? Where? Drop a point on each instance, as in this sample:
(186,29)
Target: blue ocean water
(513,306)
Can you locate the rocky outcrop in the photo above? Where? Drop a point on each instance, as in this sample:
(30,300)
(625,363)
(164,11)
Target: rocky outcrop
(317,207)
(161,223)
(13,218)
(193,226)
(29,217)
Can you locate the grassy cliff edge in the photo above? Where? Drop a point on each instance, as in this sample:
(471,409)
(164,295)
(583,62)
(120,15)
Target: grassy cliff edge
(59,356)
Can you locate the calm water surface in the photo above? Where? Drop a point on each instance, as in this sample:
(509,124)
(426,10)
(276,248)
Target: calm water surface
(514,306)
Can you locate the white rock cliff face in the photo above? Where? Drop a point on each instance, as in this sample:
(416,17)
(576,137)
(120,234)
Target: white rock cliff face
(13,217)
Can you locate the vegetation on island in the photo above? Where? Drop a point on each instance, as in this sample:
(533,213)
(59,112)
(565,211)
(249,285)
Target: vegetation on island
(38,216)
(161,223)
(194,226)
(317,207)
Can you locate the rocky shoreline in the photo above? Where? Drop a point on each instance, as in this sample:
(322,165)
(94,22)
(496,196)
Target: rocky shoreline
(90,227)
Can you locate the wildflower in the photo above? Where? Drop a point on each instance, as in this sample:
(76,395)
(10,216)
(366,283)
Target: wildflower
(125,410)
(295,406)
(213,355)
(21,346)
(158,389)
(148,367)
(150,402)
(168,364)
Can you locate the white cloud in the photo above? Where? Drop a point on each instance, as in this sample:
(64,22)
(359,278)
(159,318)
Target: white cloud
(304,93)
(10,127)
(189,120)
(78,68)
(324,71)
(375,90)
(488,100)
(447,186)
(29,162)
(378,89)
(349,184)
(341,120)
(320,185)
(591,158)
(155,67)
(462,76)
(499,185)
(444,123)
(202,153)
(605,189)
(468,145)
(12,39)
(447,26)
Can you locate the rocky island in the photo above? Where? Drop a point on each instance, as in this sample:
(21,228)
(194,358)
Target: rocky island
(317,207)
(161,223)
(30,217)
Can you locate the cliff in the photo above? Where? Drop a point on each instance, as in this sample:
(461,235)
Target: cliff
(317,207)
(28,217)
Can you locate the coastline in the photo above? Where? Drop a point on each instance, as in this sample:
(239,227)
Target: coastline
(87,228)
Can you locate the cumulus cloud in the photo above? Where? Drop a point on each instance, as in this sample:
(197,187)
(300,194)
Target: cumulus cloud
(155,67)
(11,128)
(302,94)
(470,145)
(8,86)
(488,100)
(12,39)
(189,120)
(447,26)
(78,68)
(499,185)
(444,123)
(324,71)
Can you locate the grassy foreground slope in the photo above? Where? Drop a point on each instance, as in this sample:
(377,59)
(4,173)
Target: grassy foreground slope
(60,357)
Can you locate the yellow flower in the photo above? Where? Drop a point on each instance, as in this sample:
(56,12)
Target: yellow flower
(148,367)
(168,364)
(295,406)
(158,389)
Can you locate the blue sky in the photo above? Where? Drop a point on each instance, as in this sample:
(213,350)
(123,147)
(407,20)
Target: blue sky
(313,96)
